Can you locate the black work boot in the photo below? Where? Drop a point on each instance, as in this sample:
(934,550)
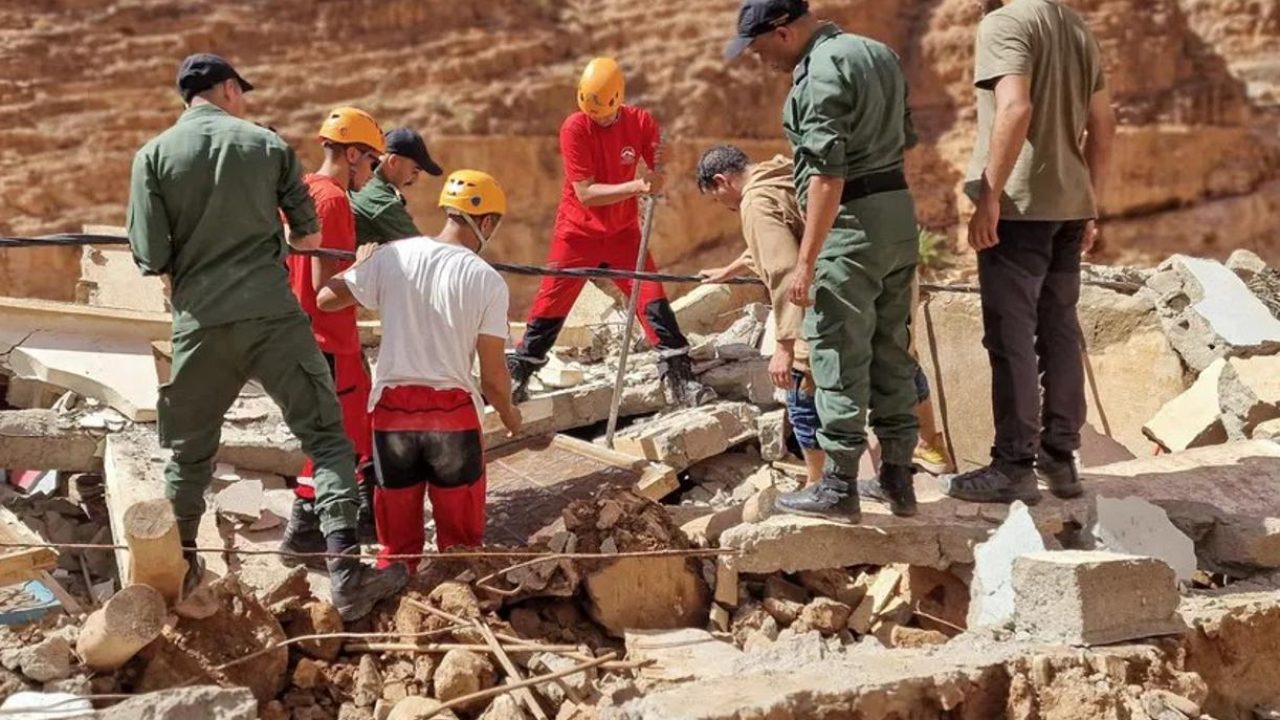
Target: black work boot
(894,486)
(995,483)
(302,536)
(522,367)
(195,568)
(1062,476)
(831,498)
(676,370)
(366,525)
(357,587)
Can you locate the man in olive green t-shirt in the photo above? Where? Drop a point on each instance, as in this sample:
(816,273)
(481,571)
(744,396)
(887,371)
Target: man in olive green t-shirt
(204,213)
(1045,129)
(379,207)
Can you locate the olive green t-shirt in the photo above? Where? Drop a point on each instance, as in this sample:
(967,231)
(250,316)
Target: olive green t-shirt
(1051,44)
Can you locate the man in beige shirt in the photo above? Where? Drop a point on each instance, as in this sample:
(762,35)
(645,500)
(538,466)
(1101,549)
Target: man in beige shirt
(1045,129)
(764,196)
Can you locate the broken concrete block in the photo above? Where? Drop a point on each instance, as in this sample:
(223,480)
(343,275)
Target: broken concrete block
(760,506)
(1208,312)
(834,583)
(771,428)
(747,380)
(700,310)
(991,592)
(1094,598)
(784,600)
(1249,394)
(741,340)
(686,436)
(1194,418)
(241,500)
(1133,526)
(680,655)
(649,593)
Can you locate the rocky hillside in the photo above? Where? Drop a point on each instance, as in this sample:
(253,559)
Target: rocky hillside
(84,82)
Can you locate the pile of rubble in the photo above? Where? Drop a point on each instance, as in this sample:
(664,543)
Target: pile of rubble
(669,587)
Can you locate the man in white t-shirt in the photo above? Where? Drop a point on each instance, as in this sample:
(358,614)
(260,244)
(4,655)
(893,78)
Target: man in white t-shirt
(441,306)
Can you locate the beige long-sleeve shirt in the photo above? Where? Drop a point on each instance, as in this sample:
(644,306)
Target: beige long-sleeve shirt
(773,226)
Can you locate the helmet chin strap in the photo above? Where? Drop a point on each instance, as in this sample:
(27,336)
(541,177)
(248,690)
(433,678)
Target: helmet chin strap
(471,223)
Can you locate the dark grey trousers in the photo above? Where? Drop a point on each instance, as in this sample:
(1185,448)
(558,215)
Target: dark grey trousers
(1030,286)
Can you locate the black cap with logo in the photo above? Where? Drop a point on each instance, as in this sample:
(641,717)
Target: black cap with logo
(406,142)
(757,17)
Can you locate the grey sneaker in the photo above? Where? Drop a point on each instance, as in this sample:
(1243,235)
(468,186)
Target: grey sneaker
(358,587)
(831,498)
(1062,476)
(993,484)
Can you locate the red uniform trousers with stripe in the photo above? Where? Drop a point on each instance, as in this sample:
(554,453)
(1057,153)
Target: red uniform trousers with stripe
(427,441)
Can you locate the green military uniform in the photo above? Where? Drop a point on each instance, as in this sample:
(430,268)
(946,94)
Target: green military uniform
(846,116)
(204,209)
(380,212)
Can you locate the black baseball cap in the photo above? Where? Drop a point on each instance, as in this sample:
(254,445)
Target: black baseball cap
(202,71)
(757,17)
(405,141)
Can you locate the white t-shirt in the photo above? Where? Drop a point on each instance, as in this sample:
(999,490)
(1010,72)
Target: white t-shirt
(434,299)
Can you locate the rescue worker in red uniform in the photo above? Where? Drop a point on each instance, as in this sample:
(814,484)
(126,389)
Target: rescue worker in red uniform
(352,144)
(598,226)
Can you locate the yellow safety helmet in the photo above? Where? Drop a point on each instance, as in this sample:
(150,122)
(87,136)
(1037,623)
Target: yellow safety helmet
(601,89)
(472,192)
(353,126)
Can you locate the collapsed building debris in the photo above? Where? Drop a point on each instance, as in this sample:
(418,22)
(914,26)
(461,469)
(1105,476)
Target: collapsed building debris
(666,585)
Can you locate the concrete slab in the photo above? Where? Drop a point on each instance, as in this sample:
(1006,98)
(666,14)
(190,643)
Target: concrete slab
(1232,311)
(120,372)
(686,436)
(680,655)
(1134,526)
(1194,418)
(36,439)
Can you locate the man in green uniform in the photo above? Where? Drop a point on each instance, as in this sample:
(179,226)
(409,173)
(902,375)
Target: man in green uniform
(847,120)
(204,212)
(381,215)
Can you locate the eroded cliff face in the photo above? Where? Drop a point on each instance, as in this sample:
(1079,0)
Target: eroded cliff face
(84,83)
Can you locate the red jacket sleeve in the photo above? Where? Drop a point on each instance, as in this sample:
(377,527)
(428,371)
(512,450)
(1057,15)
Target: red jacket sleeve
(575,150)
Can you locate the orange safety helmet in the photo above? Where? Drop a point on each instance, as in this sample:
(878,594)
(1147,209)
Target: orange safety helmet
(474,193)
(601,89)
(353,126)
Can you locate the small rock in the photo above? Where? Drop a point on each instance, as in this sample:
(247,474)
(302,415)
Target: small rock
(610,514)
(555,690)
(241,500)
(462,672)
(455,598)
(306,674)
(901,636)
(423,668)
(394,691)
(761,506)
(825,615)
(503,707)
(50,660)
(274,711)
(419,708)
(609,546)
(368,686)
(318,618)
(784,600)
(1157,702)
(79,685)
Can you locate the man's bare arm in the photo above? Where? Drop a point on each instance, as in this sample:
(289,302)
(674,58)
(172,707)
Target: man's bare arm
(1012,122)
(495,380)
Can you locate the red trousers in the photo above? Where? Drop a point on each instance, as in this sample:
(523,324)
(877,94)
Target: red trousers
(351,379)
(556,295)
(429,442)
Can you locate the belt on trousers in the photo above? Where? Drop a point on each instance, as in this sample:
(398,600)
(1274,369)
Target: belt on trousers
(873,184)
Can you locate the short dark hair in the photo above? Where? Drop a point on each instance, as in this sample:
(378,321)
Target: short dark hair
(720,160)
